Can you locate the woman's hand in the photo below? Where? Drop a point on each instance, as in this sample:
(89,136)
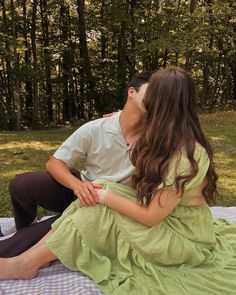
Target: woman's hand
(102,194)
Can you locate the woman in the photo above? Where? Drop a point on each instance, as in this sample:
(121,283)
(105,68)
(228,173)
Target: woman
(165,243)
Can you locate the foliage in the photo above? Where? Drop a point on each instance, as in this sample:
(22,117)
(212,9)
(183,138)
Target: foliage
(71,59)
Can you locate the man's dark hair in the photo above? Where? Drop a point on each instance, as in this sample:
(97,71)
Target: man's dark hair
(137,81)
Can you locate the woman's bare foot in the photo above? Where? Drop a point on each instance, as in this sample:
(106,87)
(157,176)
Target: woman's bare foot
(16,268)
(26,265)
(46,265)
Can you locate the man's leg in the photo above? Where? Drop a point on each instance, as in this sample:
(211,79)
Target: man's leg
(30,189)
(25,238)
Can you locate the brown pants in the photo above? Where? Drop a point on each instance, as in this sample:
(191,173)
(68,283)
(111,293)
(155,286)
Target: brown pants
(28,191)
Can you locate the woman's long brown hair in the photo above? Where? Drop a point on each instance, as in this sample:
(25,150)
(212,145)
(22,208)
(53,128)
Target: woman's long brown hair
(171,123)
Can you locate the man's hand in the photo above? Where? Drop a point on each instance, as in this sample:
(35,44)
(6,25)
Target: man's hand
(86,192)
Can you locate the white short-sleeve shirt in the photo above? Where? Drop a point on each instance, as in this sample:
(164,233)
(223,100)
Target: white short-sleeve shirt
(102,145)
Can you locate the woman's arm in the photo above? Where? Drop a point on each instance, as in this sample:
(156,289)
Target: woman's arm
(149,216)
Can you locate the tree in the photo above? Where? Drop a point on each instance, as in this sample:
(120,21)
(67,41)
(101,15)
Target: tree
(16,97)
(70,60)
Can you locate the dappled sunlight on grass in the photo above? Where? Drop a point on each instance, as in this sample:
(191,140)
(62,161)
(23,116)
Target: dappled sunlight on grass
(29,151)
(223,158)
(25,151)
(37,145)
(224,117)
(217,138)
(220,127)
(11,173)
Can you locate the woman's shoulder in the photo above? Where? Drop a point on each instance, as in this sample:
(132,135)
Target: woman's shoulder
(181,162)
(199,152)
(199,147)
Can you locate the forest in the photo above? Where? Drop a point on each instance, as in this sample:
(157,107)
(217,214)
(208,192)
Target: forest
(68,61)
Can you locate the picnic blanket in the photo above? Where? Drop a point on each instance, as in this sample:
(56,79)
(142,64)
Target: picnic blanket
(57,280)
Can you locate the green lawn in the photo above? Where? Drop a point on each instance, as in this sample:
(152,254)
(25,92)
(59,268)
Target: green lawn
(29,151)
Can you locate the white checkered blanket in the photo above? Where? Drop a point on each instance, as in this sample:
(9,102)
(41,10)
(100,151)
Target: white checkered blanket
(57,280)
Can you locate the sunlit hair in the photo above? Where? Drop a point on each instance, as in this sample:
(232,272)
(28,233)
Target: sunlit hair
(171,124)
(136,82)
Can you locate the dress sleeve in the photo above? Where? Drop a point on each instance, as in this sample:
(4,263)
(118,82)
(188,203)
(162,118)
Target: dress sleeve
(180,166)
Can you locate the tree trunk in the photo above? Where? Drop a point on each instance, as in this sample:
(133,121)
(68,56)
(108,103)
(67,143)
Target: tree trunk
(132,39)
(16,67)
(65,63)
(206,67)
(165,57)
(9,97)
(7,61)
(103,36)
(4,113)
(35,70)
(86,65)
(28,81)
(47,58)
(122,44)
(233,70)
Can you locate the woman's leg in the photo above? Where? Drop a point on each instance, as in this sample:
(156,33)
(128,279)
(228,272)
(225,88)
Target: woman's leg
(26,265)
(28,190)
(42,241)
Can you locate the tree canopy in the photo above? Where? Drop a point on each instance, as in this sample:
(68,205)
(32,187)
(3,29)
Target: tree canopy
(70,60)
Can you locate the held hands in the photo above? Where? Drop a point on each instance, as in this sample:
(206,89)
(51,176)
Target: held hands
(87,193)
(101,195)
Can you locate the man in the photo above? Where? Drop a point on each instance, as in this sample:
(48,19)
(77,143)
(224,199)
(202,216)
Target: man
(104,143)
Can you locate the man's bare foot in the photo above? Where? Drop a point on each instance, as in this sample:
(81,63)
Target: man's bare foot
(16,268)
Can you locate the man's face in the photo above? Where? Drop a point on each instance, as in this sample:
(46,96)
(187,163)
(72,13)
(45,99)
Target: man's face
(139,96)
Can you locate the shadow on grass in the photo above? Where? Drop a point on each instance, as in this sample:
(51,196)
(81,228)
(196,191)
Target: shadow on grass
(18,160)
(29,151)
(48,136)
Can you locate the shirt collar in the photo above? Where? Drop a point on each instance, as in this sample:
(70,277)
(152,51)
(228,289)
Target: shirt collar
(113,124)
(113,127)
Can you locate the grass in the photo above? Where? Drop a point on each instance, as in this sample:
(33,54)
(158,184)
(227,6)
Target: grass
(220,127)
(29,150)
(25,151)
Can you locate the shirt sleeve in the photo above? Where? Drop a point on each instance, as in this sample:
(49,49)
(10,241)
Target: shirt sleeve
(180,166)
(75,146)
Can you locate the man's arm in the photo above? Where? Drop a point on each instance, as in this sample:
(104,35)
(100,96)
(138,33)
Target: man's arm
(66,156)
(148,216)
(85,191)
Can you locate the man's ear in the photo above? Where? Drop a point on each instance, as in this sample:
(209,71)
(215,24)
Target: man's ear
(131,92)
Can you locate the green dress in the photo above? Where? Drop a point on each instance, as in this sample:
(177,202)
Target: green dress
(188,252)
